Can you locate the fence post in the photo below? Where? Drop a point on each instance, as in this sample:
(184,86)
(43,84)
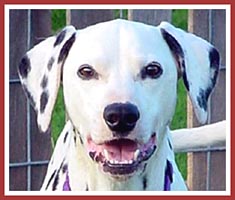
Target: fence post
(26,144)
(206,171)
(152,17)
(83,18)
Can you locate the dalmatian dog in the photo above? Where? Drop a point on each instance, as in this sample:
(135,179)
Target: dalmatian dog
(120,89)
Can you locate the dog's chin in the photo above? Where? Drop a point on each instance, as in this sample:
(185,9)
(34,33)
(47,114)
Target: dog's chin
(121,158)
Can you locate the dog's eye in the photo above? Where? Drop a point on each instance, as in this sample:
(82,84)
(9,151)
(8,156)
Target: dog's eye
(86,72)
(152,70)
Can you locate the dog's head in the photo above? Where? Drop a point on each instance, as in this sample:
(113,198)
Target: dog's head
(120,85)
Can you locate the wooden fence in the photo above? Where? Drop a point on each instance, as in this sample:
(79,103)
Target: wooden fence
(30,151)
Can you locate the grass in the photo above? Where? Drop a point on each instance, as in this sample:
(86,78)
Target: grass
(179,19)
(58,18)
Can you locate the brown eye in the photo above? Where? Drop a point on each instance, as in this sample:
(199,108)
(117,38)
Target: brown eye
(86,72)
(152,70)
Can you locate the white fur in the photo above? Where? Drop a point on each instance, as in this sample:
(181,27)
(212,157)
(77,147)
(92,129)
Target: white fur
(200,137)
(117,50)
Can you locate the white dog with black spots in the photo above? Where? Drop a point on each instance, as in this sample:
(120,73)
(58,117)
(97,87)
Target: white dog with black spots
(120,90)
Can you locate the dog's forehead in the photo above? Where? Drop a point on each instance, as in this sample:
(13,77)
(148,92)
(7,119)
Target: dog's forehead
(118,27)
(119,38)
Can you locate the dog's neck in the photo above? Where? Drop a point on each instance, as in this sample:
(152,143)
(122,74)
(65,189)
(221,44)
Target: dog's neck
(86,175)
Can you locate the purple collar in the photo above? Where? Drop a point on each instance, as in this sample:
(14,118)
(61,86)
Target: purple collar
(66,186)
(168,176)
(167,180)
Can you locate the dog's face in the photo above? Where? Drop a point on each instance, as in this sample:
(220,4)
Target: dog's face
(130,74)
(119,81)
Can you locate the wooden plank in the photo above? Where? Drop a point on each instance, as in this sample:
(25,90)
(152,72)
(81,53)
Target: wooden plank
(152,17)
(17,124)
(40,26)
(197,171)
(17,104)
(37,177)
(83,18)
(17,179)
(218,173)
(40,144)
(218,101)
(18,42)
(197,164)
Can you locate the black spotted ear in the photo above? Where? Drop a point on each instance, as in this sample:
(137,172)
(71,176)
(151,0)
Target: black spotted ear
(198,62)
(40,73)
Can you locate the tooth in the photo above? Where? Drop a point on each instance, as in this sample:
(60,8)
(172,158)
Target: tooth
(111,161)
(130,161)
(122,162)
(116,162)
(136,154)
(106,154)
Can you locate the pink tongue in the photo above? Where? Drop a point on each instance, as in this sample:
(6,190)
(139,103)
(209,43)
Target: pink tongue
(121,150)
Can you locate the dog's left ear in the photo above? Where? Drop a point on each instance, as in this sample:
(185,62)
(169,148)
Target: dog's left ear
(198,62)
(40,73)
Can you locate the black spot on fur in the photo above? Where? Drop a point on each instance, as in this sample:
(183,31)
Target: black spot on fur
(87,188)
(185,79)
(65,137)
(24,67)
(144,183)
(214,58)
(60,37)
(65,49)
(50,63)
(56,181)
(80,139)
(203,97)
(214,64)
(29,96)
(178,53)
(170,145)
(204,94)
(65,168)
(75,136)
(43,101)
(44,82)
(75,139)
(173,44)
(51,178)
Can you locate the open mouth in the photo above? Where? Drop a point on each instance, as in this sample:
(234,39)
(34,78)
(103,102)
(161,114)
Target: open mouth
(121,156)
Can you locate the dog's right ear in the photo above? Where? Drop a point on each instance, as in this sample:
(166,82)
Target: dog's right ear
(198,61)
(40,73)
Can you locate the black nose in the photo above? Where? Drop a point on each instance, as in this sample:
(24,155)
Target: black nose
(121,117)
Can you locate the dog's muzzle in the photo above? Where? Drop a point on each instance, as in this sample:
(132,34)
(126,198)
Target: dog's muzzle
(122,156)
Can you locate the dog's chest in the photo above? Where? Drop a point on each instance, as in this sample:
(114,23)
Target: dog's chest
(71,169)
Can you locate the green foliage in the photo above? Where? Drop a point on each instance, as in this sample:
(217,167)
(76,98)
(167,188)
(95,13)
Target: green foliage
(179,19)
(120,14)
(58,116)
(58,18)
